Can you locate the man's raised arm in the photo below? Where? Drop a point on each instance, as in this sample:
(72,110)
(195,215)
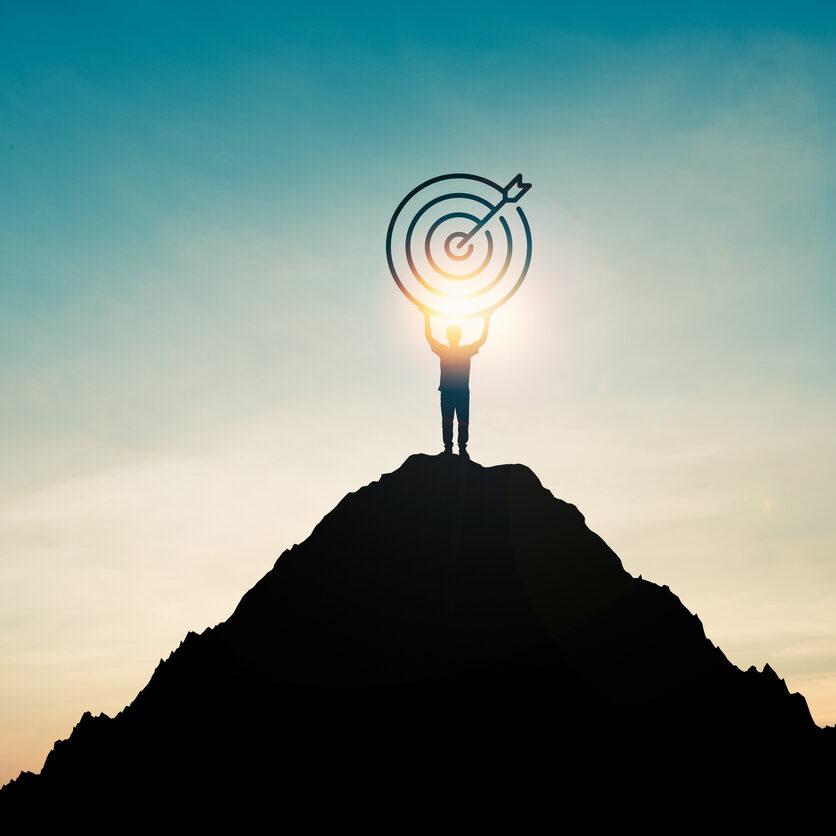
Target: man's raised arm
(481,341)
(428,333)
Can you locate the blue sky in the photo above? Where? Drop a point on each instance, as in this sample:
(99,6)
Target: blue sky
(201,350)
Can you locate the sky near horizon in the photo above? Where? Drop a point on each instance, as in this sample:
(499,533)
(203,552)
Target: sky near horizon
(202,351)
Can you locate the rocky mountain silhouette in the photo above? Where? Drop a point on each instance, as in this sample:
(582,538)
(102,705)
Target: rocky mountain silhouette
(449,619)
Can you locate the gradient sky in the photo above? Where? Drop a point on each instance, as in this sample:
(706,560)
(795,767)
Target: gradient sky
(202,351)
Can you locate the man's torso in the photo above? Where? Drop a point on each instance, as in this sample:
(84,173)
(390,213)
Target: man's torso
(455,367)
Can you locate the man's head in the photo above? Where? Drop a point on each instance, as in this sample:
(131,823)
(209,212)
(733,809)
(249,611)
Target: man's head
(454,334)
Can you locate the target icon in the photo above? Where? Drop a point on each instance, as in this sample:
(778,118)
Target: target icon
(459,246)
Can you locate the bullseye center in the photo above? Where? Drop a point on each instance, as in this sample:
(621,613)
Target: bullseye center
(459,255)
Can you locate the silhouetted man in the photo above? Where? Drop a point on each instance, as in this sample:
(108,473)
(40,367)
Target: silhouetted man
(455,381)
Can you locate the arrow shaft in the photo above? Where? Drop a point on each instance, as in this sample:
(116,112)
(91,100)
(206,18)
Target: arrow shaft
(463,241)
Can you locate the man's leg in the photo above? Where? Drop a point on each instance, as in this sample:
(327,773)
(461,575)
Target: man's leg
(447,406)
(463,414)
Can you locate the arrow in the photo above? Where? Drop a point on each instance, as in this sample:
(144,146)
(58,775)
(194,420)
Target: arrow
(510,194)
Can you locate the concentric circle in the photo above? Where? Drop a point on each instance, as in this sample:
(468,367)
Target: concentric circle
(440,263)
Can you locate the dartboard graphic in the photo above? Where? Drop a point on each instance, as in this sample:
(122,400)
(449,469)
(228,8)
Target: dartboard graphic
(459,245)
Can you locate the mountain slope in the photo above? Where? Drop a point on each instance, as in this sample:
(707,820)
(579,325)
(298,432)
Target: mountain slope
(447,617)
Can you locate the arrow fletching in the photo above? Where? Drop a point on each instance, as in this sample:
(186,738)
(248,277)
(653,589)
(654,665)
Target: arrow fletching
(515,189)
